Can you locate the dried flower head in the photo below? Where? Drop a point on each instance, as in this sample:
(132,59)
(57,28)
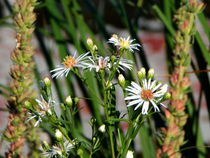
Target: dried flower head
(104,63)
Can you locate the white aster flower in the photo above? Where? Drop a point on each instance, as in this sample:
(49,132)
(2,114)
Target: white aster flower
(44,107)
(70,62)
(150,92)
(124,43)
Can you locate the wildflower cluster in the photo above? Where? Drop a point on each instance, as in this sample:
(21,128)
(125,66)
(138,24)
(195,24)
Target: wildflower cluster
(141,94)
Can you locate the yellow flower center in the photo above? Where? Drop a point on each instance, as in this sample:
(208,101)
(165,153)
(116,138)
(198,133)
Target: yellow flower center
(146,94)
(124,43)
(69,62)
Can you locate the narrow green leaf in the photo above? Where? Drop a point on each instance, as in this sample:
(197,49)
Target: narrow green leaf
(147,145)
(164,19)
(203,48)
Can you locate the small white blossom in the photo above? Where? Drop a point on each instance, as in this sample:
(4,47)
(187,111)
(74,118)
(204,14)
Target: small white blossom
(58,134)
(129,154)
(102,128)
(70,62)
(150,92)
(124,43)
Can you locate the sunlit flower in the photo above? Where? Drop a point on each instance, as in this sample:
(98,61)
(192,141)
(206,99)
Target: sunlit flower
(150,92)
(70,62)
(44,107)
(124,43)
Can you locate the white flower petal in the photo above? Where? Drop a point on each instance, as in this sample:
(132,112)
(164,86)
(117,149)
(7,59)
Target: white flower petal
(134,102)
(155,105)
(156,87)
(145,108)
(132,97)
(139,105)
(136,86)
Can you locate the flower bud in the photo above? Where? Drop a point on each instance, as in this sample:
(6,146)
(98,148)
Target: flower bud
(115,36)
(90,42)
(167,96)
(27,104)
(200,7)
(58,135)
(45,145)
(121,80)
(95,48)
(129,154)
(93,120)
(102,128)
(94,140)
(80,152)
(141,73)
(69,101)
(109,85)
(150,73)
(47,81)
(49,112)
(63,107)
(76,100)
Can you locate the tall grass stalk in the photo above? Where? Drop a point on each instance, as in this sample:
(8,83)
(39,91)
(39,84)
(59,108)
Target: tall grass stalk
(176,117)
(18,131)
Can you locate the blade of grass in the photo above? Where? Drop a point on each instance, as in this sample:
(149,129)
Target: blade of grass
(98,17)
(84,29)
(164,19)
(204,50)
(204,23)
